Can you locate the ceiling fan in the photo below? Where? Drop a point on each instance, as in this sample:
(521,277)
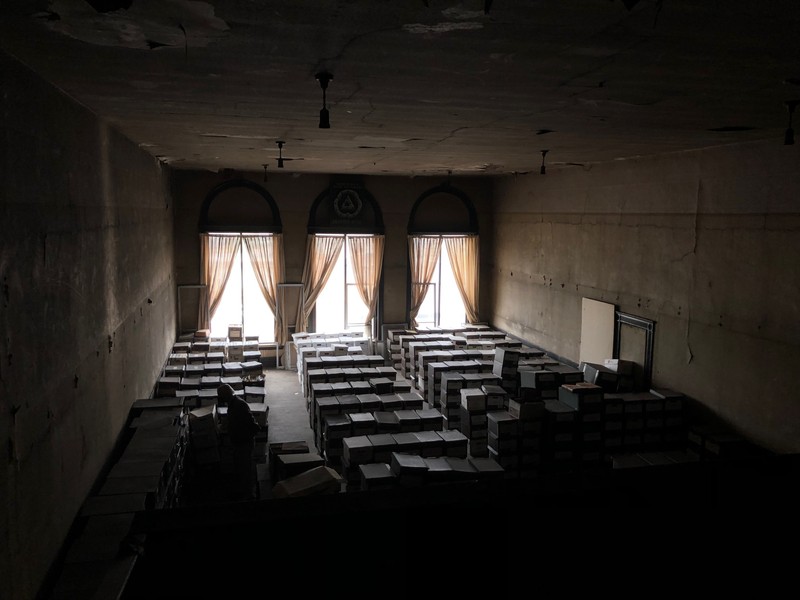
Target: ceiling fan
(281,157)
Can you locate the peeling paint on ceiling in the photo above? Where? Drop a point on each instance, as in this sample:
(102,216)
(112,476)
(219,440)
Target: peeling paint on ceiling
(147,24)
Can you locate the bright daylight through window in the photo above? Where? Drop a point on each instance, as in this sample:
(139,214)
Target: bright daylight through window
(339,307)
(243,303)
(443,306)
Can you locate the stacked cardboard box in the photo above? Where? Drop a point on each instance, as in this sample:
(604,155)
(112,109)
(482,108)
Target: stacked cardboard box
(613,423)
(411,400)
(324,406)
(335,428)
(204,435)
(362,423)
(531,417)
(566,373)
(496,397)
(383,445)
(474,422)
(315,481)
(506,362)
(409,420)
(674,435)
(653,435)
(377,476)
(503,441)
(233,351)
(420,345)
(430,443)
(390,402)
(275,449)
(538,384)
(410,469)
(431,419)
(438,470)
(560,436)
(632,421)
(406,442)
(601,375)
(625,373)
(386,421)
(587,400)
(357,450)
(288,465)
(174,371)
(450,399)
(455,443)
(168,385)
(487,468)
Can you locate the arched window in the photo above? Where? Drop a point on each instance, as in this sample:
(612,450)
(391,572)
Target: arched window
(241,250)
(342,274)
(443,259)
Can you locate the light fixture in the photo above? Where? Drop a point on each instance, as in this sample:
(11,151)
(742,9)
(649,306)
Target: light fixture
(324,117)
(280,154)
(265,171)
(788,138)
(542,170)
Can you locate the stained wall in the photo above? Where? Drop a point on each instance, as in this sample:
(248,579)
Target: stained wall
(87,310)
(706,244)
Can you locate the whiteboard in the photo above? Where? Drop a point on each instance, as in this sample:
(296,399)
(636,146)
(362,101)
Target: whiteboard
(597,331)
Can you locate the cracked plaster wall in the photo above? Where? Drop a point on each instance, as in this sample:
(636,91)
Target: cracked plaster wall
(705,243)
(87,311)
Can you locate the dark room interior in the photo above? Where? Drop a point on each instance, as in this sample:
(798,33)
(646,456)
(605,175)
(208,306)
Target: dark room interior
(613,187)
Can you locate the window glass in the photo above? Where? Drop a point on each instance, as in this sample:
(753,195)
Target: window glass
(339,306)
(249,309)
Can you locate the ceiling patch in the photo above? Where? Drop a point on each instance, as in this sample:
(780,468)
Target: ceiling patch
(462,14)
(441,27)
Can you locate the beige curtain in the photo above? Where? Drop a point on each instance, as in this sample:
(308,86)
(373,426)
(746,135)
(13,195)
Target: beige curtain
(266,256)
(423,252)
(321,255)
(366,257)
(216,259)
(463,253)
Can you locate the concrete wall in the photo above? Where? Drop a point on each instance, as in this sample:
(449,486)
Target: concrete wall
(86,311)
(295,195)
(705,243)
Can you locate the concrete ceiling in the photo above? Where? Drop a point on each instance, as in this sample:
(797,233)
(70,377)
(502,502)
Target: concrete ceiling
(419,87)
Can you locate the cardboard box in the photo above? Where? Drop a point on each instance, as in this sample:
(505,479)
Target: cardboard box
(289,465)
(439,470)
(473,400)
(317,480)
(376,476)
(336,427)
(539,379)
(204,420)
(462,469)
(407,442)
(503,424)
(526,411)
(487,467)
(431,418)
(357,450)
(386,421)
(582,396)
(410,469)
(363,423)
(430,443)
(383,444)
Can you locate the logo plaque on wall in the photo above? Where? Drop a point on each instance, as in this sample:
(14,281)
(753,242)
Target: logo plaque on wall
(347,205)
